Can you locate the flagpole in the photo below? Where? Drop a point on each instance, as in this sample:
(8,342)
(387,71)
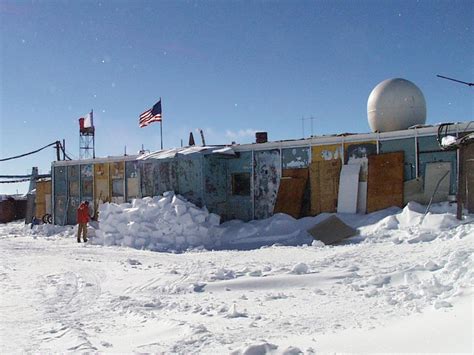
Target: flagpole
(161,125)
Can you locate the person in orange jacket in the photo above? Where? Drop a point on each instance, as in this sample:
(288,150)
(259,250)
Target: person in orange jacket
(82,219)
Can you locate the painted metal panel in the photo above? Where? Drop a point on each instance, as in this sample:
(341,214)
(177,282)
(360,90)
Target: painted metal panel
(117,175)
(87,180)
(267,173)
(295,158)
(101,183)
(326,152)
(147,184)
(215,184)
(60,180)
(73,173)
(430,152)
(407,146)
(132,187)
(60,195)
(165,176)
(190,178)
(60,203)
(238,206)
(72,205)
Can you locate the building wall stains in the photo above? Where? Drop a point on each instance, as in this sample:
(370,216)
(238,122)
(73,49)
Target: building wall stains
(407,146)
(267,173)
(87,182)
(239,202)
(190,178)
(295,158)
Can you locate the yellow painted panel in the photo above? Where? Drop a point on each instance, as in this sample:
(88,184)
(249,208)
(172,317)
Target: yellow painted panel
(326,152)
(117,170)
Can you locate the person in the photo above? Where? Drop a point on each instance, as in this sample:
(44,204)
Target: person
(82,219)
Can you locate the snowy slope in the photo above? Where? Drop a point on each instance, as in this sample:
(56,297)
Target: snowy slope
(403,284)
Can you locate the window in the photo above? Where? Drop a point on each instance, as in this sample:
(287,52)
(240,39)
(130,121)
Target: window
(241,184)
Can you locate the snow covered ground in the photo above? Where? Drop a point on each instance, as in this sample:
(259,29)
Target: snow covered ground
(405,283)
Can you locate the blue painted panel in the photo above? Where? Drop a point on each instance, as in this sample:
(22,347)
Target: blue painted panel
(407,146)
(190,178)
(238,206)
(215,184)
(295,158)
(429,151)
(60,181)
(267,173)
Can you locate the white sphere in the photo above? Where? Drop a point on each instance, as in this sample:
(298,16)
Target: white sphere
(395,104)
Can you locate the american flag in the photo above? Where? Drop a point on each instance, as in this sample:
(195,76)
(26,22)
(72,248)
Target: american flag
(151,115)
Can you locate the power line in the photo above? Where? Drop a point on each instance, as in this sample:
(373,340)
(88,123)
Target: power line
(456,80)
(29,153)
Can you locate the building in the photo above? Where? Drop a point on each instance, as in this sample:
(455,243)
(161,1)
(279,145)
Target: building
(298,177)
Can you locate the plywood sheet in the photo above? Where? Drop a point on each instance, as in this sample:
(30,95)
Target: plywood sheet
(324,183)
(348,189)
(385,181)
(291,191)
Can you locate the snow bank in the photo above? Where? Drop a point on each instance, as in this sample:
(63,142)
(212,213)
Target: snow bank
(161,223)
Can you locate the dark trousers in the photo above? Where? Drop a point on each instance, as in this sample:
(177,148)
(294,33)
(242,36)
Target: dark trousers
(82,229)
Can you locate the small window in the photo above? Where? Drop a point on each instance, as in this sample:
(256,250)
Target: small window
(241,184)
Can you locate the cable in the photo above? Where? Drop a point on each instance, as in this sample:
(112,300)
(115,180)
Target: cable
(24,155)
(13,181)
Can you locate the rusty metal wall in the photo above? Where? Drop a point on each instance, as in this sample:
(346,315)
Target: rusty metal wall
(146,174)
(267,173)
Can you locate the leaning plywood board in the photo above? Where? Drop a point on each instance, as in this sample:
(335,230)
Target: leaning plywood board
(290,196)
(324,182)
(385,181)
(332,230)
(348,189)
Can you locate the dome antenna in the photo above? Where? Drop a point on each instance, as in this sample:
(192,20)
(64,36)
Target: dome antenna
(458,81)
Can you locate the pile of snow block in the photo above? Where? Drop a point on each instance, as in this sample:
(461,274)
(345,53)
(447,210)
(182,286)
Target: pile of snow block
(161,223)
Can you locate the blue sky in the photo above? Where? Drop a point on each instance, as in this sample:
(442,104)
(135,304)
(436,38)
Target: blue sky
(228,67)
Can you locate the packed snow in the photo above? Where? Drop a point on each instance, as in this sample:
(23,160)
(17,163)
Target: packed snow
(162,275)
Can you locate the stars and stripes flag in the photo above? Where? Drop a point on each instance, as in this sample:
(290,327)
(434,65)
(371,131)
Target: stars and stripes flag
(151,115)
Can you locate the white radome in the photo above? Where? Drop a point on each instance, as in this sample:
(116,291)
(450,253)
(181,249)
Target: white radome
(395,104)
